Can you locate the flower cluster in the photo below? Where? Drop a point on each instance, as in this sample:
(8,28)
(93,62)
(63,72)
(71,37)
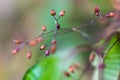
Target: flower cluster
(39,39)
(97,13)
(96,51)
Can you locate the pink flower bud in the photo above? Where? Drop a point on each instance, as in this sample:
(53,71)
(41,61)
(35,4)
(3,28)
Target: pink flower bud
(29,54)
(47,53)
(39,39)
(71,69)
(33,43)
(52,12)
(15,51)
(17,41)
(44,28)
(42,47)
(54,41)
(96,9)
(62,13)
(53,49)
(112,14)
(92,57)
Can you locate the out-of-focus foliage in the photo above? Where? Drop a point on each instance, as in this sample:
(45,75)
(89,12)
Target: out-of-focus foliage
(112,60)
(24,18)
(47,69)
(30,75)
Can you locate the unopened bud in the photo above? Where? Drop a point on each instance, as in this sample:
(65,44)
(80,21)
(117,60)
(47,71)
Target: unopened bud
(29,54)
(58,26)
(52,12)
(39,39)
(42,47)
(44,28)
(112,14)
(53,49)
(15,51)
(71,69)
(108,15)
(96,10)
(54,41)
(17,41)
(47,53)
(91,57)
(33,43)
(62,13)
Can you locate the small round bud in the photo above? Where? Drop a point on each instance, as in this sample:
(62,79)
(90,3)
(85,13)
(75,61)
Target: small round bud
(62,13)
(42,47)
(91,57)
(39,39)
(29,54)
(58,26)
(43,28)
(112,14)
(96,9)
(47,53)
(33,43)
(66,74)
(15,51)
(17,41)
(52,12)
(54,41)
(71,69)
(53,49)
(108,15)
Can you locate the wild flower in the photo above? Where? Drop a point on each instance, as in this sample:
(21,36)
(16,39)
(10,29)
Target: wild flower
(97,49)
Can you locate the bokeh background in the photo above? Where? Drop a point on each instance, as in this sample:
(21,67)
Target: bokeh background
(22,19)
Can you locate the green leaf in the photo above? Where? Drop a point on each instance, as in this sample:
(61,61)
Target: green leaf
(50,68)
(112,60)
(44,70)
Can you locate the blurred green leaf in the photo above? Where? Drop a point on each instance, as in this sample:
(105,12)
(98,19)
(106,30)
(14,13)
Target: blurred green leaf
(44,70)
(49,68)
(112,60)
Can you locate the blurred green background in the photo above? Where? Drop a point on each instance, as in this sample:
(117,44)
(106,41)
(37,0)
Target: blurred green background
(22,19)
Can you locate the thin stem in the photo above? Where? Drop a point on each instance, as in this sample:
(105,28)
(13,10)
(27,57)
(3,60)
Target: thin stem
(55,18)
(67,29)
(100,69)
(58,17)
(77,27)
(89,23)
(82,33)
